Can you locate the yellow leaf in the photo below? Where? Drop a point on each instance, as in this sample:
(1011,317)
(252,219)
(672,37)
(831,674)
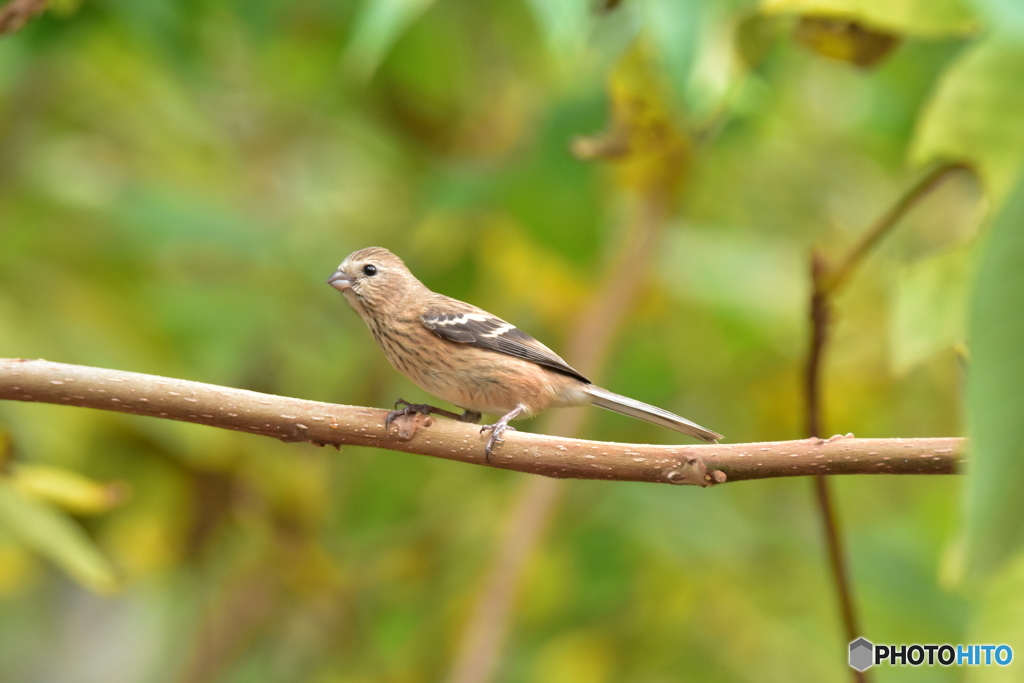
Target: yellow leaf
(56,537)
(67,489)
(845,40)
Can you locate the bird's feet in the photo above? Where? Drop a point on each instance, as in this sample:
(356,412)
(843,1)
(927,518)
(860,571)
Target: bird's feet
(409,409)
(499,428)
(424,409)
(496,430)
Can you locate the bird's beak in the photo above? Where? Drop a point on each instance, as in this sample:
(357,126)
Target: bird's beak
(340,280)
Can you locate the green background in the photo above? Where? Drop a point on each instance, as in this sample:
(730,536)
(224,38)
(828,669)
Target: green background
(178,179)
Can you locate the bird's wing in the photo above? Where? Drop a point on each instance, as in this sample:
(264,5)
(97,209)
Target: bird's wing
(475,327)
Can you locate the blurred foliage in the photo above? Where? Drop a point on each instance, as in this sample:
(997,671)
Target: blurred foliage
(995,511)
(844,40)
(940,18)
(971,112)
(177,180)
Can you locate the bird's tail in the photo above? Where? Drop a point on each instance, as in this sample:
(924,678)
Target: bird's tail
(628,406)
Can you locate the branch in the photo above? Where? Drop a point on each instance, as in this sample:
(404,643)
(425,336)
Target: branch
(831,280)
(16,14)
(484,634)
(295,420)
(826,282)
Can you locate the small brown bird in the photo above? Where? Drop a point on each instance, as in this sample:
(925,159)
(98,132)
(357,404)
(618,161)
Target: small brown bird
(467,356)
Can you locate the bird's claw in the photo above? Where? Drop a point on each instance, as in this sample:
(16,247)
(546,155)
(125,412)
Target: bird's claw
(394,415)
(496,430)
(424,409)
(399,412)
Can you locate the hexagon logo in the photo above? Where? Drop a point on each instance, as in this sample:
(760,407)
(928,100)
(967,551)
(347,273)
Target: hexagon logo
(861,654)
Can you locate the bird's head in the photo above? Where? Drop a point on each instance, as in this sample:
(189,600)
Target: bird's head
(373,279)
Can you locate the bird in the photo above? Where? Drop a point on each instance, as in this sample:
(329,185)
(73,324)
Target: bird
(469,357)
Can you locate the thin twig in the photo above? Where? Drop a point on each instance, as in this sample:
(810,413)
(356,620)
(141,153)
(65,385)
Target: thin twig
(229,624)
(820,328)
(650,140)
(825,283)
(483,637)
(295,420)
(17,13)
(837,276)
(819,315)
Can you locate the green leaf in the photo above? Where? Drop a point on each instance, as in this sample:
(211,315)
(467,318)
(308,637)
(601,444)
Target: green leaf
(674,28)
(998,618)
(756,35)
(1005,16)
(994,504)
(930,312)
(976,112)
(930,19)
(695,50)
(565,24)
(56,537)
(377,27)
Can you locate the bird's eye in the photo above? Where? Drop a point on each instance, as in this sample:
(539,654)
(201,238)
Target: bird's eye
(369,269)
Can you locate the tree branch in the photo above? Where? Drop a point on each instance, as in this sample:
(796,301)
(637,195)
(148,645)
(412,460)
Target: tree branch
(16,14)
(826,282)
(294,420)
(483,638)
(831,280)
